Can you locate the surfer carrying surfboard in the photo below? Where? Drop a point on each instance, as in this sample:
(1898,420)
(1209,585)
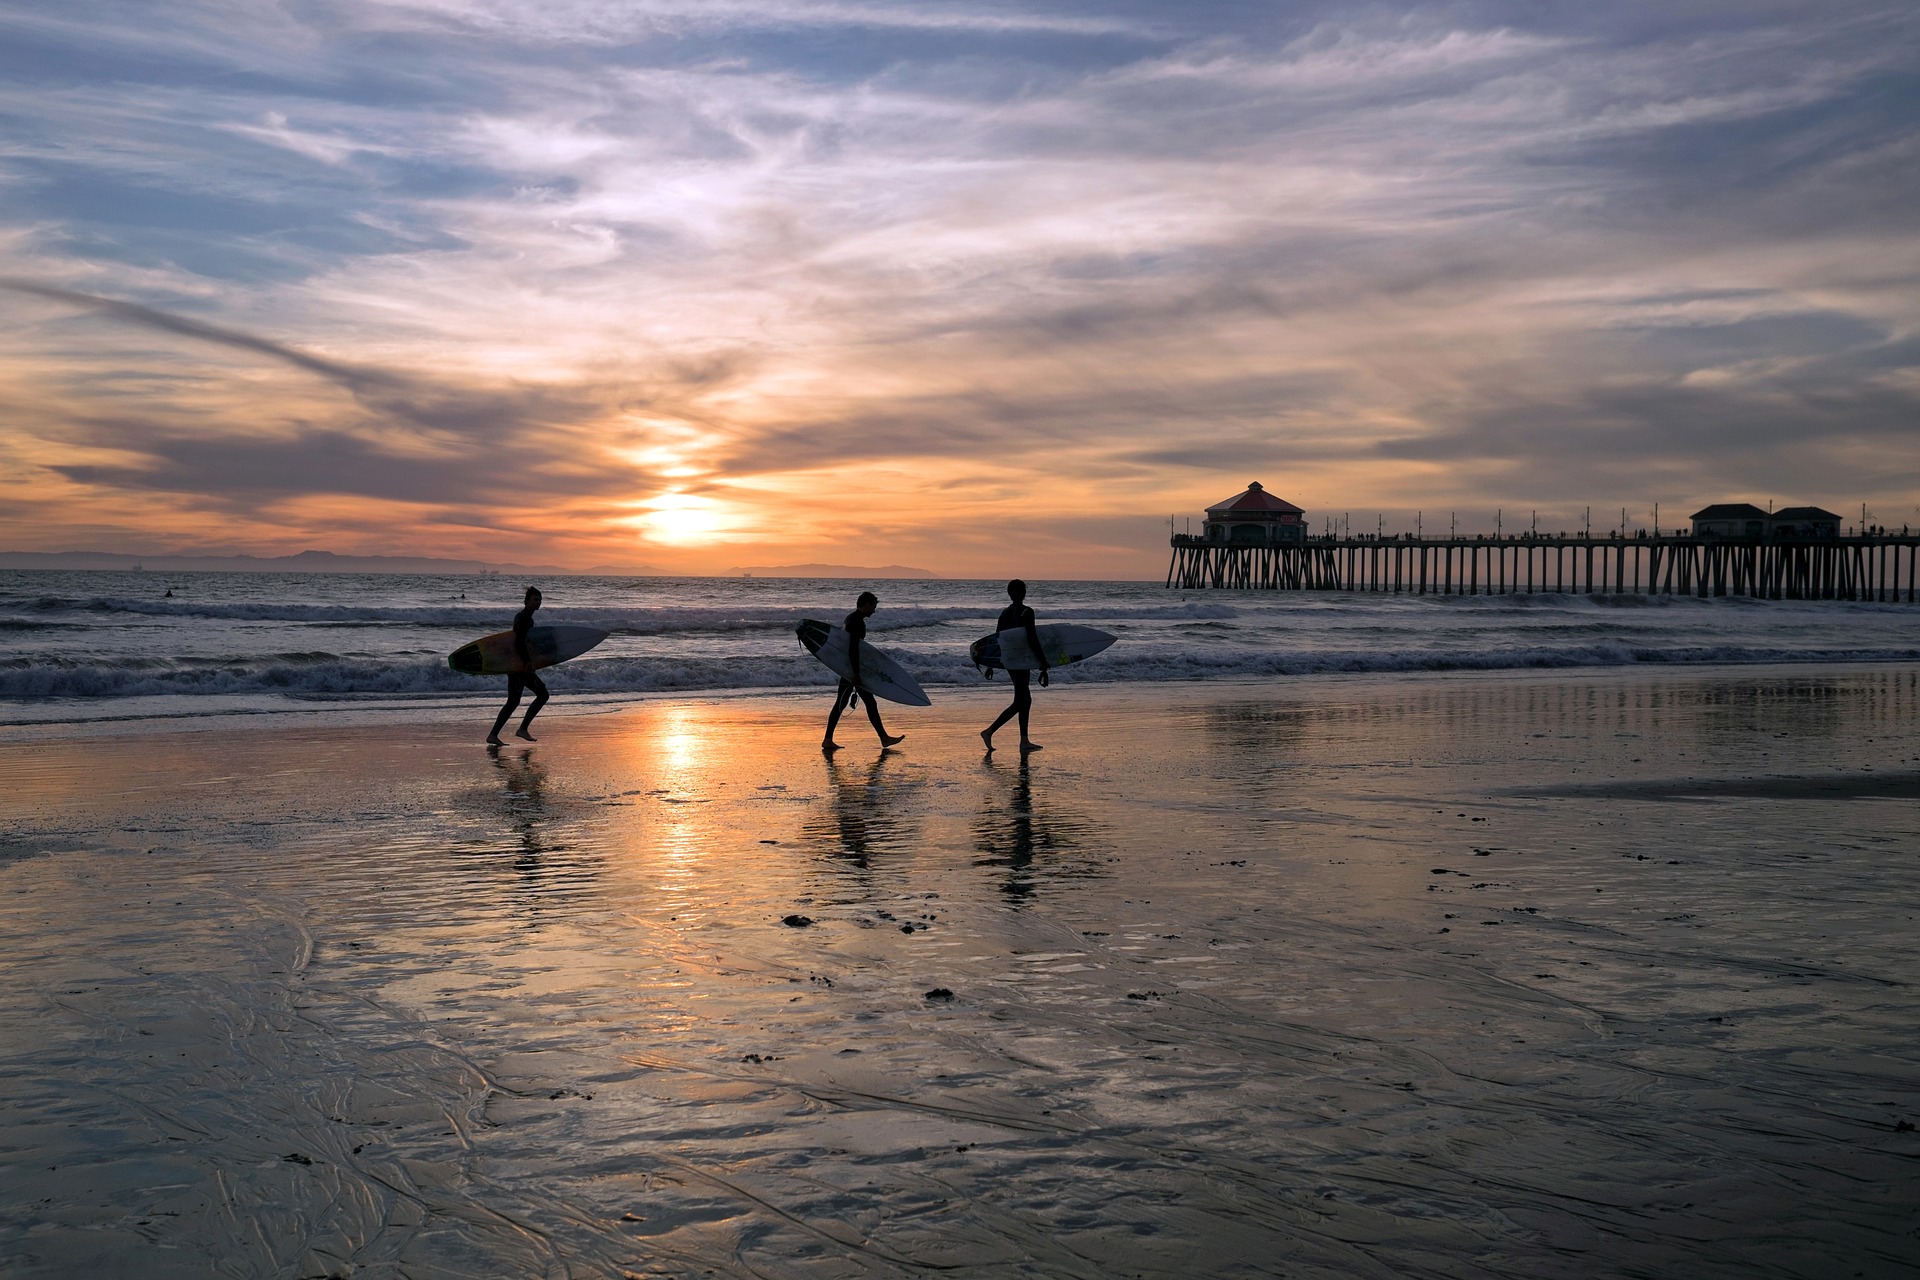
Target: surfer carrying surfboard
(851,685)
(523,678)
(1019,615)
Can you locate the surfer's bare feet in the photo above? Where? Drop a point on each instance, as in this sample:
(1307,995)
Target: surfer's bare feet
(522,733)
(1029,746)
(494,741)
(986,736)
(889,739)
(829,746)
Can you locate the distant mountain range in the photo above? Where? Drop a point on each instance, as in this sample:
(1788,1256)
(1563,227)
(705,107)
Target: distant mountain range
(829,571)
(304,562)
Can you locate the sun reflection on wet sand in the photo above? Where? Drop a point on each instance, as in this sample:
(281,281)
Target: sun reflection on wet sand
(1324,976)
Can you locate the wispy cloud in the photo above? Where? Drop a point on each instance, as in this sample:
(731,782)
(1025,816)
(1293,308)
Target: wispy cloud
(606,21)
(346,375)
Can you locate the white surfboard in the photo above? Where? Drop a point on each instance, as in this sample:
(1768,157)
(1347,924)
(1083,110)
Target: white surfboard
(1063,643)
(882,676)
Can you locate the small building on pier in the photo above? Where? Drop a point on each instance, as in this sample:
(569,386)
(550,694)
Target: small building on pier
(1255,518)
(1803,524)
(1742,521)
(1730,520)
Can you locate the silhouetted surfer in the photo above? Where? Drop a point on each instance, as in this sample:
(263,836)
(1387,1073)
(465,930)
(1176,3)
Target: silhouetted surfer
(850,686)
(523,679)
(1018,615)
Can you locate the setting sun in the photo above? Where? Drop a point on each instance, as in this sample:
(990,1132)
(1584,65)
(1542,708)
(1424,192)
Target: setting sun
(682,519)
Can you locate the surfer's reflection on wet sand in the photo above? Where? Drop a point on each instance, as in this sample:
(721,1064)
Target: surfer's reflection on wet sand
(1012,833)
(863,814)
(545,870)
(524,802)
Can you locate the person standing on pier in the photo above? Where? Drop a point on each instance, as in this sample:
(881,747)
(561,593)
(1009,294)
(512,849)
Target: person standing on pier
(850,686)
(1019,615)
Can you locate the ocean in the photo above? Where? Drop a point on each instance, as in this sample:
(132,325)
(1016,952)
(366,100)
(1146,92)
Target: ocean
(90,646)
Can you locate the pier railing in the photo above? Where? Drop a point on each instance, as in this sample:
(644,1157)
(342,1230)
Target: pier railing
(1870,567)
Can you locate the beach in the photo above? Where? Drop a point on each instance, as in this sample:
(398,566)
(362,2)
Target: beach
(1518,973)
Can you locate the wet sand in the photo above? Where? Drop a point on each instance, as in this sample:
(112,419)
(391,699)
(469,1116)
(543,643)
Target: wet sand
(1573,974)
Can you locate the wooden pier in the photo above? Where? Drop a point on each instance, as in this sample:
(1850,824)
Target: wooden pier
(1871,567)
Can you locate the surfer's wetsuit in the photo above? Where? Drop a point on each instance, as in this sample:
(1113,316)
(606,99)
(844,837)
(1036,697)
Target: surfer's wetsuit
(1019,615)
(856,626)
(519,681)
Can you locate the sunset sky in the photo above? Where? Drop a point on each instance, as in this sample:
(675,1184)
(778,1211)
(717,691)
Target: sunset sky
(983,288)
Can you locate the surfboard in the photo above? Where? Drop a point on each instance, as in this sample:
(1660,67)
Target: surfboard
(883,677)
(494,656)
(1063,643)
